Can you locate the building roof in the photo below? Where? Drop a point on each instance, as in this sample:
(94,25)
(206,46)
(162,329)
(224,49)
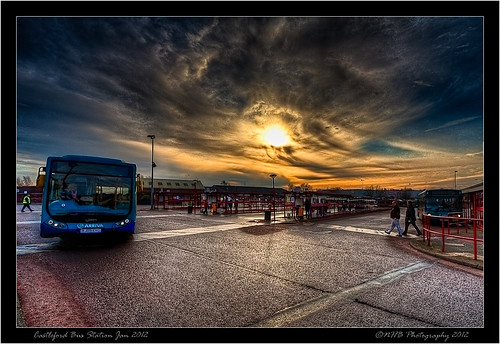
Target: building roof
(473,188)
(254,190)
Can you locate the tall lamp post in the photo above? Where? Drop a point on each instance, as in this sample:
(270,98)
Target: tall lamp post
(274,205)
(456,180)
(195,181)
(153,165)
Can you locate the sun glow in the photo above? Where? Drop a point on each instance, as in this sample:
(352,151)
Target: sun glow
(275,136)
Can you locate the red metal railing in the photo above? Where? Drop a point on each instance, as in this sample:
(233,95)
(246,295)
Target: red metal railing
(285,209)
(447,223)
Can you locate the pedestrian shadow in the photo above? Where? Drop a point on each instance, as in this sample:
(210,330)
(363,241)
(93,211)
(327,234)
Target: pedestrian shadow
(262,229)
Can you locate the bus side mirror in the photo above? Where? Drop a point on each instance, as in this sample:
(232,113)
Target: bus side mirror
(40,179)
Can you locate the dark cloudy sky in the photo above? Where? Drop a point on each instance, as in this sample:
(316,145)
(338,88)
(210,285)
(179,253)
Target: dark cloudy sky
(329,101)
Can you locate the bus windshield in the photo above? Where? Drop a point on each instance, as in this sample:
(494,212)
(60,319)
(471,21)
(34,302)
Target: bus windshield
(442,204)
(86,188)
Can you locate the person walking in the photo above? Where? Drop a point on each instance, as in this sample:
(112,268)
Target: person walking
(410,218)
(395,215)
(307,205)
(26,202)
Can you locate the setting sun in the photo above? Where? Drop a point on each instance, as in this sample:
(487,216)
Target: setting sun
(275,136)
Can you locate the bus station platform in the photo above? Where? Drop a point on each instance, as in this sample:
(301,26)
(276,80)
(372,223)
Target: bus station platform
(458,251)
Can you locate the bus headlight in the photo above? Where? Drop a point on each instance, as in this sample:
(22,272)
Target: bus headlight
(56,224)
(122,223)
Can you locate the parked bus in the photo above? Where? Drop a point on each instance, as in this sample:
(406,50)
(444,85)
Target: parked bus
(86,195)
(440,202)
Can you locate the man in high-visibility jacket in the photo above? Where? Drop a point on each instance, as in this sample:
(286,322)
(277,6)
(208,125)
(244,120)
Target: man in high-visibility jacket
(26,202)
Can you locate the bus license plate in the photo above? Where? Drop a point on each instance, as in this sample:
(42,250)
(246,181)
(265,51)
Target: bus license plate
(90,230)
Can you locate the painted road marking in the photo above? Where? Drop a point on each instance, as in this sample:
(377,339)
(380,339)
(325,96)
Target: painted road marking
(44,247)
(27,222)
(361,230)
(36,248)
(189,231)
(156,215)
(306,308)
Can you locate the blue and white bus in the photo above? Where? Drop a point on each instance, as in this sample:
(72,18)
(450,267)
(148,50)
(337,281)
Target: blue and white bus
(87,195)
(440,202)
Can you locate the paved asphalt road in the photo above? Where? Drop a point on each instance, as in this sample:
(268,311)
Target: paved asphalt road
(236,272)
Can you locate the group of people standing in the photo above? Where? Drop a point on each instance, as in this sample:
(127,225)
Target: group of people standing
(410,219)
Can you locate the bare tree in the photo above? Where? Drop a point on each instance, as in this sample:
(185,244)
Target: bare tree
(305,186)
(25,181)
(406,193)
(374,191)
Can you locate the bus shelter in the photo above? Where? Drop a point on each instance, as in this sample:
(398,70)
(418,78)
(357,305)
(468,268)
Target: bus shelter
(323,203)
(228,199)
(472,202)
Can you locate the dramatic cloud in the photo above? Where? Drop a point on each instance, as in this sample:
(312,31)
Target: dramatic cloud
(394,101)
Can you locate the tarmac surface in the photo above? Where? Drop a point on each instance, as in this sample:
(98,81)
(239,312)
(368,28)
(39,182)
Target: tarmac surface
(457,251)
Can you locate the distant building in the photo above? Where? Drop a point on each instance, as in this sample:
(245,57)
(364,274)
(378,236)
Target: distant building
(388,194)
(35,193)
(225,198)
(170,193)
(472,201)
(173,184)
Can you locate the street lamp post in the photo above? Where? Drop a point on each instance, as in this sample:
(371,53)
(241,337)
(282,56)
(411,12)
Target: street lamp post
(274,203)
(195,181)
(153,165)
(456,180)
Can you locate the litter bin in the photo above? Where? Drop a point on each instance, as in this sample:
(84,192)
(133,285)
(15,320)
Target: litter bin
(267,215)
(190,209)
(301,212)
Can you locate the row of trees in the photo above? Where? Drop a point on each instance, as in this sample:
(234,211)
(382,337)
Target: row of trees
(24,181)
(377,191)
